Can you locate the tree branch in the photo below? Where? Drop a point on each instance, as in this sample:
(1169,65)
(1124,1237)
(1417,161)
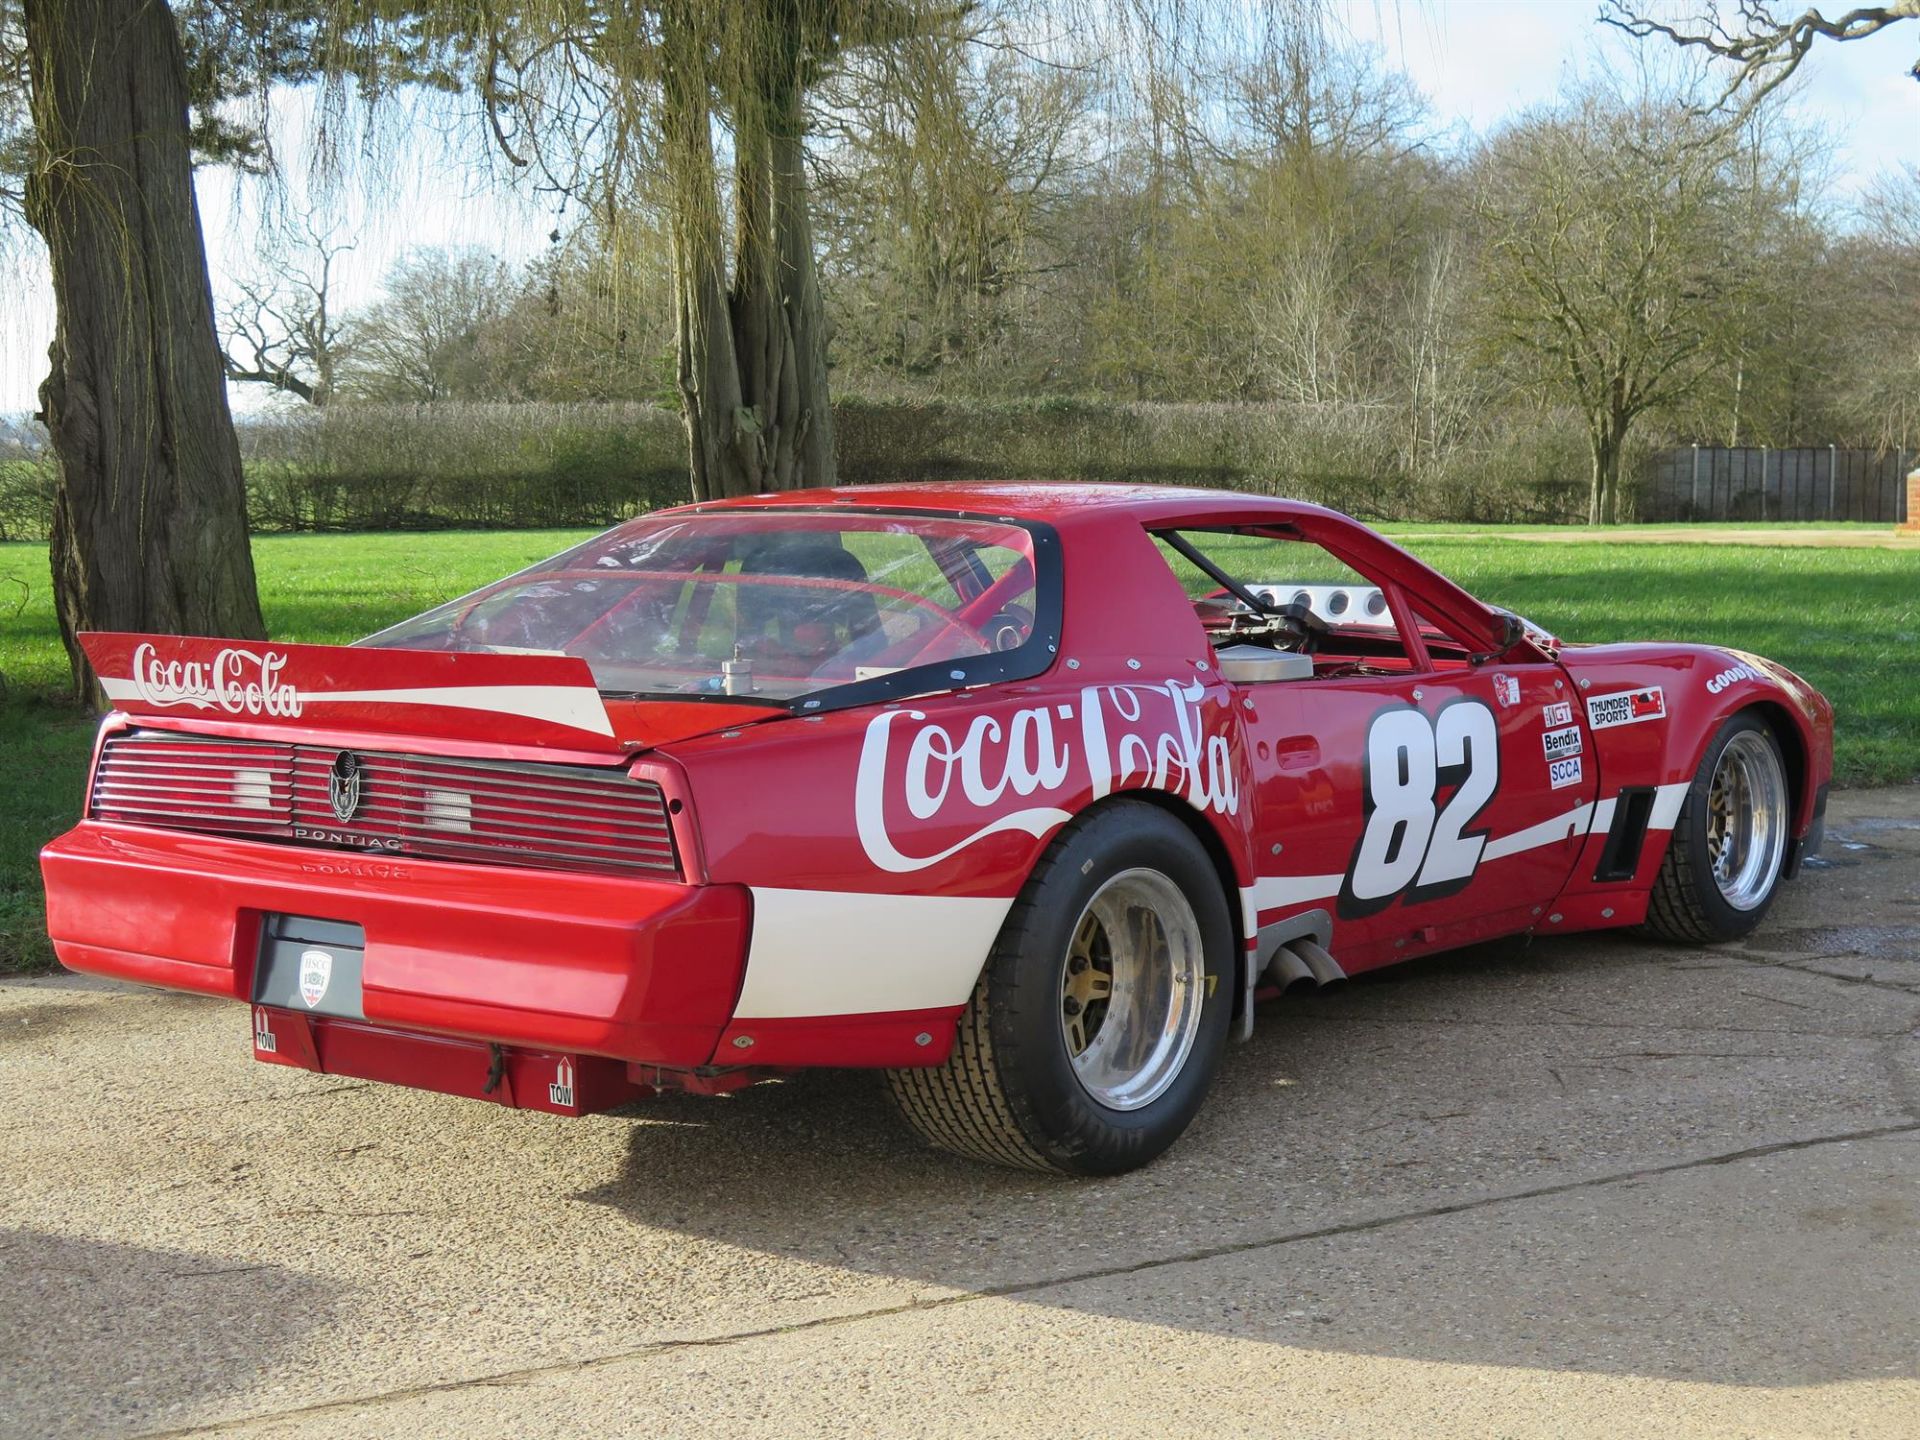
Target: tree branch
(1765,49)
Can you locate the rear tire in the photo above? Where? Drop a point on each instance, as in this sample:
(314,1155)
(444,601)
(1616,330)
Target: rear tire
(1100,1018)
(1729,844)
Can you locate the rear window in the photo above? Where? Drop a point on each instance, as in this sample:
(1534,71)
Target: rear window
(773,604)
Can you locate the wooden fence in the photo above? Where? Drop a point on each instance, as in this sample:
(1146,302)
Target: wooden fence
(1820,482)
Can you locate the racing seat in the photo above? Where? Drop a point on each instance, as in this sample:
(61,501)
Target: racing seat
(804,624)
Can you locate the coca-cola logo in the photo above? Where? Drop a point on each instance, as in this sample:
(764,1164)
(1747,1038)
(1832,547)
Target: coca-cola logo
(1114,737)
(237,681)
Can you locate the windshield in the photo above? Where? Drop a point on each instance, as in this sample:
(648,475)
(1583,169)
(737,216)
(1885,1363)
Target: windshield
(777,604)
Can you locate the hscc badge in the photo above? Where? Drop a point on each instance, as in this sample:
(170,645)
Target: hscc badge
(316,969)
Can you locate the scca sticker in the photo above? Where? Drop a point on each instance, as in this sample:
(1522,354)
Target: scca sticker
(1628,707)
(1563,773)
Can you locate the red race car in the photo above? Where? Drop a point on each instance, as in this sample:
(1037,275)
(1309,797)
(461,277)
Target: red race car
(1022,795)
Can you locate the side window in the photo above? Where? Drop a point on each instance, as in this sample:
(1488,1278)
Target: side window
(1344,620)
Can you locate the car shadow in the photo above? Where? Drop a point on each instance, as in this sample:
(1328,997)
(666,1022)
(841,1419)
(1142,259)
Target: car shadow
(88,1332)
(1458,1160)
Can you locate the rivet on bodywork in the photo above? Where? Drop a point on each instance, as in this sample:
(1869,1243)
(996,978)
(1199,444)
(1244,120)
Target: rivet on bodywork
(1607,914)
(1133,664)
(1585,684)
(1276,849)
(1553,919)
(1419,694)
(923,1038)
(743,1042)
(1073,664)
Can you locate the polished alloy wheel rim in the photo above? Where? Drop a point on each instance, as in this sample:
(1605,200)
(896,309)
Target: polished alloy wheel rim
(1746,820)
(1132,988)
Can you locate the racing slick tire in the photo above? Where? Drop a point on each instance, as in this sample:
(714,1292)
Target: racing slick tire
(1730,840)
(1101,1014)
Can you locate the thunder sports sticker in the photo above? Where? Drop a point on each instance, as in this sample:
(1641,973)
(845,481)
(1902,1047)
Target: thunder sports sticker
(1560,744)
(1628,707)
(1564,773)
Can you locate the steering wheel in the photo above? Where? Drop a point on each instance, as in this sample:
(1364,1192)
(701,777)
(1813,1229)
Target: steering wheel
(1306,628)
(1008,629)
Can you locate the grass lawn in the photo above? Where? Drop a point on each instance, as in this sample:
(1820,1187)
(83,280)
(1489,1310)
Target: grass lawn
(1847,619)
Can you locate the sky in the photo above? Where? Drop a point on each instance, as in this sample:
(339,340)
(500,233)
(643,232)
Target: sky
(1478,61)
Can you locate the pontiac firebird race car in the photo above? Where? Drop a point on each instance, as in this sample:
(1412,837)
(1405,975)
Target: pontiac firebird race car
(1024,795)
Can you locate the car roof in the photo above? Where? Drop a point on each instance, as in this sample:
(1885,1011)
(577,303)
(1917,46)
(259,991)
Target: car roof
(1047,501)
(1070,505)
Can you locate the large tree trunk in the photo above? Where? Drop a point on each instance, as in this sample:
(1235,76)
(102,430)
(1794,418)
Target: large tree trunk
(753,353)
(150,522)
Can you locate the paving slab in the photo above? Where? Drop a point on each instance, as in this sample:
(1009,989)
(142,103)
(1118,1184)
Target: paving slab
(1561,1186)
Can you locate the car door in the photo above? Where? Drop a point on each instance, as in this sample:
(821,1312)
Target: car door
(1420,800)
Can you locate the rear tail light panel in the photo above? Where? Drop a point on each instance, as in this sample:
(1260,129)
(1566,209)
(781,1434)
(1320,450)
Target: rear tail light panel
(560,817)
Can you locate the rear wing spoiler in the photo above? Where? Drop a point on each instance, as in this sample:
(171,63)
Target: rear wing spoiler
(546,700)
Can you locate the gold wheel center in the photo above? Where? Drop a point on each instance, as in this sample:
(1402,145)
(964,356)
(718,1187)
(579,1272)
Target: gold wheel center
(1087,986)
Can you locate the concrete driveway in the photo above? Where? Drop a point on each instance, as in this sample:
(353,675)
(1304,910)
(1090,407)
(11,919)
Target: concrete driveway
(1588,1187)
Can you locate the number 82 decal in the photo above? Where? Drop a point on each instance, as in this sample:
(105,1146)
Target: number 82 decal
(1413,845)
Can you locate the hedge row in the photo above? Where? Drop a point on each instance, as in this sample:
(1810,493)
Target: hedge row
(378,467)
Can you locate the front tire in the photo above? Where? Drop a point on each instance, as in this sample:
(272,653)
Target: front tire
(1100,1018)
(1729,844)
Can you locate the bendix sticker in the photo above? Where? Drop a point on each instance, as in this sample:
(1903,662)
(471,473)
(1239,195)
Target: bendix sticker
(1558,713)
(1559,744)
(1626,707)
(1563,773)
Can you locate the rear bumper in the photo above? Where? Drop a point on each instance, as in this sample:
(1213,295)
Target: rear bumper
(517,1079)
(635,970)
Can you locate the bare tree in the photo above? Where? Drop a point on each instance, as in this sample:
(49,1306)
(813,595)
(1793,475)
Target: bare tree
(1882,380)
(940,161)
(1612,257)
(1892,206)
(433,334)
(284,330)
(1763,42)
(616,105)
